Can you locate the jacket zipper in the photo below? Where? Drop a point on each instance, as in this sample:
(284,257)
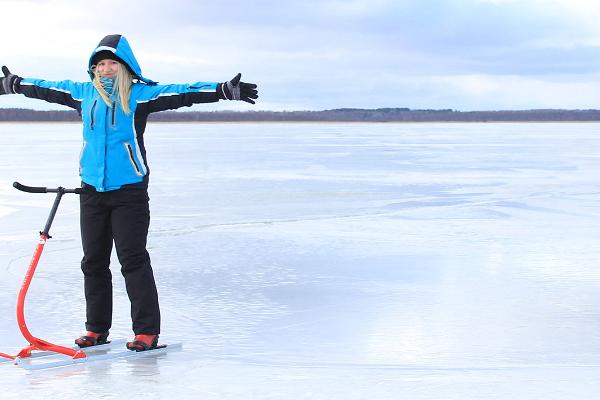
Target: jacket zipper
(114,115)
(92,113)
(105,152)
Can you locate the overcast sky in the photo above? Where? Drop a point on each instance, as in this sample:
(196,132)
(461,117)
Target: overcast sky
(313,55)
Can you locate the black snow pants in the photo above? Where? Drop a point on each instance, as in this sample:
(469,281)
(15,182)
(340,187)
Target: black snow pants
(122,216)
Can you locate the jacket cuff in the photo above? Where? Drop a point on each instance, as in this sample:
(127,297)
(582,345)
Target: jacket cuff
(16,86)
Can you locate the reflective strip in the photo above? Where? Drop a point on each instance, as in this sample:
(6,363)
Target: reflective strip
(100,48)
(50,88)
(176,94)
(138,152)
(132,159)
(81,155)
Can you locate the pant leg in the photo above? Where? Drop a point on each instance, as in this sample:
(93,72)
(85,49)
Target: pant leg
(130,222)
(96,238)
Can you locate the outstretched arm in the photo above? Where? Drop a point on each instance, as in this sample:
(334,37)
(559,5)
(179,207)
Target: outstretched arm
(67,93)
(170,97)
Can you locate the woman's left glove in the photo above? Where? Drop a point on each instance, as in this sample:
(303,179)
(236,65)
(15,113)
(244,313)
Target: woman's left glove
(9,82)
(236,90)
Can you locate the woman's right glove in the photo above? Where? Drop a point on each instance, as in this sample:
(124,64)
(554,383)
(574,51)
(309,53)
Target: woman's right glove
(8,84)
(236,90)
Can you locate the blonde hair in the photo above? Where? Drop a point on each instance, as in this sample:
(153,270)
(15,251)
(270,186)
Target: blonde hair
(121,87)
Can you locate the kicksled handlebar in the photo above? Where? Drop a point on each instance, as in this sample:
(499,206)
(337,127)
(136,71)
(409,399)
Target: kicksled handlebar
(38,189)
(60,191)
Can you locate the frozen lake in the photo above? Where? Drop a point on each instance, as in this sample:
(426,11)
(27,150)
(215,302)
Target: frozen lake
(329,261)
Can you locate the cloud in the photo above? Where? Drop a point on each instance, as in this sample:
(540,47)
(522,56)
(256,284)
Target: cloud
(324,54)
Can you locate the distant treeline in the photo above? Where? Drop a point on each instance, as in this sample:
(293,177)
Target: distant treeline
(336,115)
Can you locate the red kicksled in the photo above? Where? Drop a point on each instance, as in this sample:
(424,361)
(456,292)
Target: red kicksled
(39,348)
(36,344)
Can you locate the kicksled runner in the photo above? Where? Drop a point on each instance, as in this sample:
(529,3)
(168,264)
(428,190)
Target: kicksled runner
(41,354)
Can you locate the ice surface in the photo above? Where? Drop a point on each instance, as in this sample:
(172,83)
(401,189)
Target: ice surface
(329,261)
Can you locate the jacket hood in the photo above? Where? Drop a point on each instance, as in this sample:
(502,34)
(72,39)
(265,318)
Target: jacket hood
(119,46)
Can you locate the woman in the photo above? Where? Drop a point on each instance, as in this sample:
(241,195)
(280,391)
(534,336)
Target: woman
(114,172)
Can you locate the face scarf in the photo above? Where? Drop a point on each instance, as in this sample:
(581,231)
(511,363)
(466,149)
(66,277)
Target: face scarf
(108,84)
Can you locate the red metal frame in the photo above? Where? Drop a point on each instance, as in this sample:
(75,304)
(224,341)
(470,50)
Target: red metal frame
(35,343)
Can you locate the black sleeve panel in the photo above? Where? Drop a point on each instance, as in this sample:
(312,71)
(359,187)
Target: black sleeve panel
(50,95)
(173,102)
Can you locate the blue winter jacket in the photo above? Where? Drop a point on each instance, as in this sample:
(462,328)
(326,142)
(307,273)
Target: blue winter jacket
(113,152)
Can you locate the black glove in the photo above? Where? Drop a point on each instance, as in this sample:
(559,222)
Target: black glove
(9,82)
(236,90)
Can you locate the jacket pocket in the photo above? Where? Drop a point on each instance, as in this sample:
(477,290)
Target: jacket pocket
(135,166)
